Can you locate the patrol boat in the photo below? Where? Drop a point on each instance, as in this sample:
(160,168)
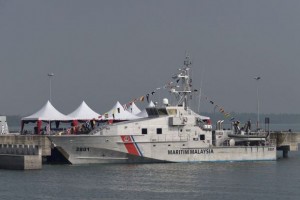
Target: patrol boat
(169,134)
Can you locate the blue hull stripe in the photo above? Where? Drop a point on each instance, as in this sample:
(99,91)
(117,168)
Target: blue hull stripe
(137,147)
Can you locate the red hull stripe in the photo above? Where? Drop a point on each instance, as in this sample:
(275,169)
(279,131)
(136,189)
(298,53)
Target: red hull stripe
(131,148)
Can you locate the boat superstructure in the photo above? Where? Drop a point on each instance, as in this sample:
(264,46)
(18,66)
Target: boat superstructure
(171,133)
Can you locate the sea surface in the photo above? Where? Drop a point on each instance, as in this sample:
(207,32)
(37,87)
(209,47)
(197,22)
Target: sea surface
(225,180)
(221,180)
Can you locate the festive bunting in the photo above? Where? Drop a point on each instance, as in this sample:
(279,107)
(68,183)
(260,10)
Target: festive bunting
(221,109)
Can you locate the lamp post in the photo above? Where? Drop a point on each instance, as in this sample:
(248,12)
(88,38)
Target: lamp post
(50,75)
(257,96)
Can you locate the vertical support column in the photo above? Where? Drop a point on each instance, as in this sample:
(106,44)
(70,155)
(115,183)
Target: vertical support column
(285,151)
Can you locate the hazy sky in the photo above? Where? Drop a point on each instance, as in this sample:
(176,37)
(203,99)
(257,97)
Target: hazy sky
(104,51)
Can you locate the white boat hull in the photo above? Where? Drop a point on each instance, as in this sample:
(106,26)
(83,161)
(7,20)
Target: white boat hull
(125,149)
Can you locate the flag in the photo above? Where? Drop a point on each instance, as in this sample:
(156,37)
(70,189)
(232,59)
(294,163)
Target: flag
(142,98)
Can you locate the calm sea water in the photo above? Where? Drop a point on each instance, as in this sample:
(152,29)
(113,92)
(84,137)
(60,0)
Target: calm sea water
(236,180)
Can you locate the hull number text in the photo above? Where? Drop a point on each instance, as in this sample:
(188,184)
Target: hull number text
(82,149)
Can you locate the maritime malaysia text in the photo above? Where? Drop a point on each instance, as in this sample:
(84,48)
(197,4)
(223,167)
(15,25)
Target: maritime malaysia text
(190,151)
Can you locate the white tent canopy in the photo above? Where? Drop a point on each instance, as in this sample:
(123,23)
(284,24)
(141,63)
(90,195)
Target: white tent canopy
(118,113)
(143,113)
(84,112)
(47,113)
(133,109)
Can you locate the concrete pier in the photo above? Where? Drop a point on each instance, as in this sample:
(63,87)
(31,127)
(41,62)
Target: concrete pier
(20,157)
(41,140)
(286,141)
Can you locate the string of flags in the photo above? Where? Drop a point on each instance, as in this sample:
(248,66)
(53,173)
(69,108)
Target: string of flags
(227,115)
(147,96)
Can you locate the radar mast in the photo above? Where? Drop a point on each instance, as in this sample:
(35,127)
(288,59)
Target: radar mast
(186,81)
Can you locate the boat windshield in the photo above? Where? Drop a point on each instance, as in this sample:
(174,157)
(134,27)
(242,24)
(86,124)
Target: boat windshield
(152,112)
(156,112)
(172,111)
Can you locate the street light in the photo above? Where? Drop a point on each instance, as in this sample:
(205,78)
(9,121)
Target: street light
(50,75)
(257,96)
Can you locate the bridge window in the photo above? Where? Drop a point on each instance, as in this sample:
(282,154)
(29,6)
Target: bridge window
(144,131)
(202,137)
(172,111)
(159,130)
